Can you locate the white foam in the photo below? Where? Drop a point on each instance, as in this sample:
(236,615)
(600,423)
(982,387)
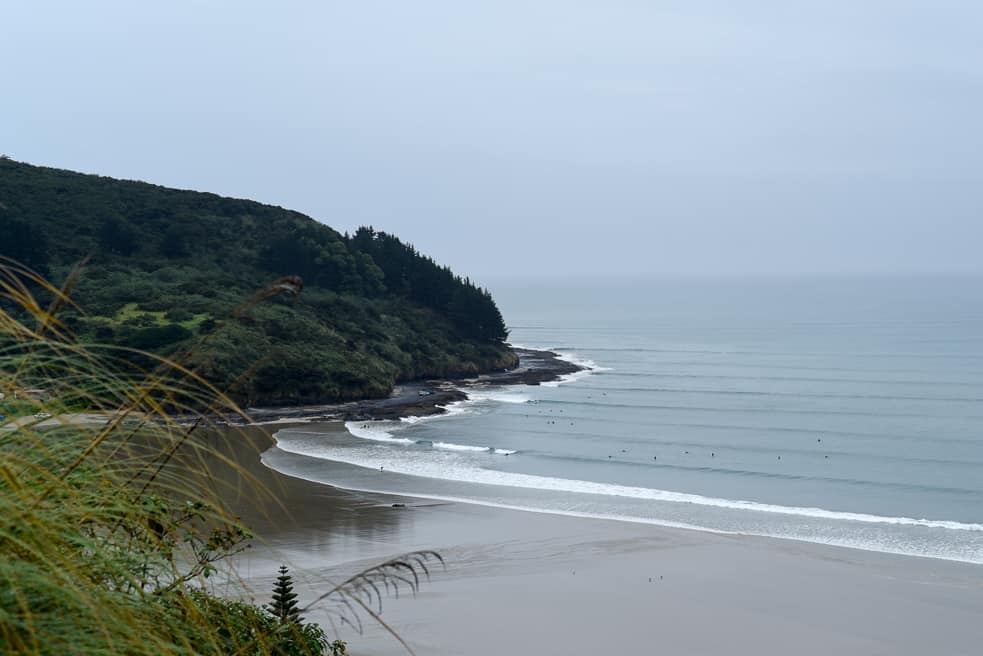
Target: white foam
(376,432)
(589,368)
(460,472)
(372,431)
(813,538)
(573,358)
(449,446)
(479,502)
(476,396)
(450,410)
(566,356)
(568,378)
(501,395)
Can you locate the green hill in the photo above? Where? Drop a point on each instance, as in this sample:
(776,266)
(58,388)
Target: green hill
(169,265)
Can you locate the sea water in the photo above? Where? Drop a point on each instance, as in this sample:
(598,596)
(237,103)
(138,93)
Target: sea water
(845,411)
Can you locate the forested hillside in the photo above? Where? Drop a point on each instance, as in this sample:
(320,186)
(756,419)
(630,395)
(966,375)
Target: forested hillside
(167,266)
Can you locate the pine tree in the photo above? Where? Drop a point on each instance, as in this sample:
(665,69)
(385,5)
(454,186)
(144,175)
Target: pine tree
(284,605)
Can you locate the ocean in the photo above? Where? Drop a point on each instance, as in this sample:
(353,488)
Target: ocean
(844,411)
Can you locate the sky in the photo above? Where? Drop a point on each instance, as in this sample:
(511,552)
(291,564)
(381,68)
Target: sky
(536,138)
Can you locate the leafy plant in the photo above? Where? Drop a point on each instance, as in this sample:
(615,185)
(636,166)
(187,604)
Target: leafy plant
(375,311)
(111,527)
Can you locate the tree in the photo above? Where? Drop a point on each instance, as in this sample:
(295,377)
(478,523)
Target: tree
(175,243)
(284,605)
(118,237)
(23,242)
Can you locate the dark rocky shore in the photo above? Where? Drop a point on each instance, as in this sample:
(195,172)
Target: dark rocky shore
(429,397)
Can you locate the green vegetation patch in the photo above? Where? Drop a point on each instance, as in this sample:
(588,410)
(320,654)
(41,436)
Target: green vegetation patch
(131,314)
(166,267)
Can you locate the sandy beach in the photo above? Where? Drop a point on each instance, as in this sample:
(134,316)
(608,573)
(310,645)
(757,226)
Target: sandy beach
(530,583)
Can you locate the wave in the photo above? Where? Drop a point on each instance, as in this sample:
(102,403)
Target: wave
(457,472)
(798,395)
(818,354)
(374,431)
(802,379)
(757,428)
(476,396)
(783,411)
(650,465)
(567,354)
(808,450)
(589,368)
(757,364)
(381,431)
(624,420)
(449,410)
(450,446)
(498,395)
(266,457)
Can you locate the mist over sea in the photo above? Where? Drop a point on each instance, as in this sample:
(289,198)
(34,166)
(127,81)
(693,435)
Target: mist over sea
(845,411)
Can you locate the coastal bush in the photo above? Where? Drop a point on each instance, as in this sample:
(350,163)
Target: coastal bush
(179,315)
(375,311)
(112,527)
(250,629)
(109,536)
(151,338)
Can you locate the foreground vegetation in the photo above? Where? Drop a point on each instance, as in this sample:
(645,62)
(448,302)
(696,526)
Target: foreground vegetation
(111,526)
(165,267)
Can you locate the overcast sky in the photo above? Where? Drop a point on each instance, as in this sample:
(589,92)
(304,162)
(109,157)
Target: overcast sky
(534,137)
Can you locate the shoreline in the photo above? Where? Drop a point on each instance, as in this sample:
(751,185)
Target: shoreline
(561,583)
(426,397)
(637,587)
(543,366)
(435,497)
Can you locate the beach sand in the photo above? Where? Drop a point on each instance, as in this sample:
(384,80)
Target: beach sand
(530,583)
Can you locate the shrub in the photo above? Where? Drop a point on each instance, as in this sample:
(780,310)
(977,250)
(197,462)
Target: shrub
(111,531)
(179,315)
(155,337)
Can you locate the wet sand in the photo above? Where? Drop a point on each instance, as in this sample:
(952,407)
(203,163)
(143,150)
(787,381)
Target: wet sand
(529,583)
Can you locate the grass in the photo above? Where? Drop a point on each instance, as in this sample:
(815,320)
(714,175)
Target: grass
(111,531)
(131,313)
(107,549)
(13,408)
